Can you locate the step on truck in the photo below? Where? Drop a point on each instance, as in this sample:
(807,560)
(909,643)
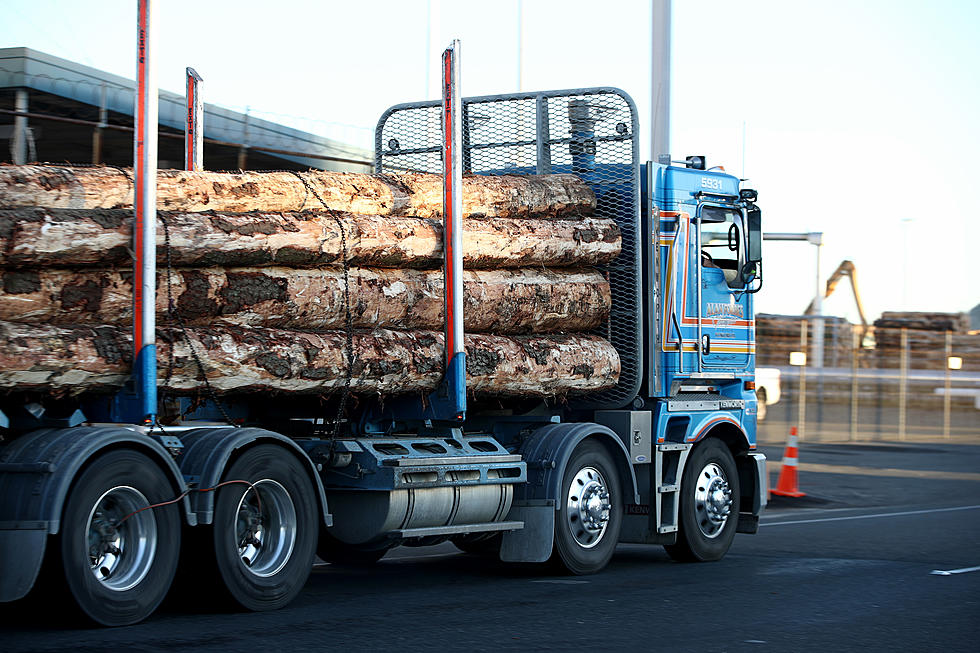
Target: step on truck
(115,505)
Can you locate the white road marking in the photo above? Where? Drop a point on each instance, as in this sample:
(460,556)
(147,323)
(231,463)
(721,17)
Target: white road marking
(883,514)
(558,581)
(950,572)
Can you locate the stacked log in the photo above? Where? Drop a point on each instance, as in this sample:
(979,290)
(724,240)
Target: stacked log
(259,274)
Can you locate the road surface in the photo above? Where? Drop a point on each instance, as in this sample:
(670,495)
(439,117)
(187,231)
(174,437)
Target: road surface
(849,568)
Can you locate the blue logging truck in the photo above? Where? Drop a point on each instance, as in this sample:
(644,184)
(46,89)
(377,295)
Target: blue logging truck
(665,457)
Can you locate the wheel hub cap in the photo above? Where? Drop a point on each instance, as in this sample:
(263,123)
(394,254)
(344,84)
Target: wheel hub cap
(265,529)
(121,547)
(588,507)
(712,500)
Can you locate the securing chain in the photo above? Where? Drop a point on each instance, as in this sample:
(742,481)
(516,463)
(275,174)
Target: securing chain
(348,314)
(174,315)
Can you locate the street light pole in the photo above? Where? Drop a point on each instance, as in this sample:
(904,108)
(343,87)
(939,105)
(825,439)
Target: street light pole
(660,82)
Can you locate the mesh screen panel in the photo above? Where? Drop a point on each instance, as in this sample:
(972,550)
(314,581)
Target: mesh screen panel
(588,132)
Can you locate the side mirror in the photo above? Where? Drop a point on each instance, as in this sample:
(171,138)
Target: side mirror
(753,236)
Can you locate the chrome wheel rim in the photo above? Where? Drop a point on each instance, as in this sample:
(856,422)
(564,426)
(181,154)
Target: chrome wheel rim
(265,528)
(712,500)
(587,507)
(120,549)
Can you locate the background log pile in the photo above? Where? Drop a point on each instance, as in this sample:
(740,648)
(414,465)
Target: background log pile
(778,335)
(926,333)
(258,279)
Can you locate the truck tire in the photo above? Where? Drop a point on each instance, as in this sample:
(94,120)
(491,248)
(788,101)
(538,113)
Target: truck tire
(264,534)
(762,407)
(709,504)
(590,512)
(119,565)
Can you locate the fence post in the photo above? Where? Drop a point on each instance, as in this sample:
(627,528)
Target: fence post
(855,344)
(946,384)
(903,373)
(801,415)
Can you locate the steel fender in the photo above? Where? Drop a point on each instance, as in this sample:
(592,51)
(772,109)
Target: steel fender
(37,470)
(549,449)
(207,452)
(726,421)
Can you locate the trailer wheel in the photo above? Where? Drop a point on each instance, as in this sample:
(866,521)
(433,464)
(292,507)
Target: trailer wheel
(709,505)
(591,511)
(119,563)
(264,534)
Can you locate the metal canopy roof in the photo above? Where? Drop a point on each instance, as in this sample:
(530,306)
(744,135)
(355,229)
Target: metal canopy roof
(27,68)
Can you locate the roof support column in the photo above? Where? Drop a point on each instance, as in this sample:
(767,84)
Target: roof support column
(18,142)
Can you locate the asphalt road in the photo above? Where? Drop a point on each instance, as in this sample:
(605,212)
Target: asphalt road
(849,567)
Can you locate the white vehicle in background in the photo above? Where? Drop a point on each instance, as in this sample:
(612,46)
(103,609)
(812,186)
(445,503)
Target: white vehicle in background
(766,389)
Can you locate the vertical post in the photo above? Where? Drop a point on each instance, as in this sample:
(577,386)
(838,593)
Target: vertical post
(660,81)
(144,207)
(946,385)
(194,123)
(18,143)
(243,149)
(452,200)
(801,408)
(97,132)
(818,323)
(903,377)
(520,45)
(855,345)
(543,125)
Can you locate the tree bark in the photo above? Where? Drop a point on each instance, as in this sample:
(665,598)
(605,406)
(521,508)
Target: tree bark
(495,301)
(406,194)
(69,238)
(243,360)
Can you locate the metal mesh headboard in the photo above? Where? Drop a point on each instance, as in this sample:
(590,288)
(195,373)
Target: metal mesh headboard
(589,132)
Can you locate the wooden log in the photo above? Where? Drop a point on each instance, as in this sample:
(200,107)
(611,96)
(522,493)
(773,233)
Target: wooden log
(495,301)
(406,194)
(241,360)
(68,238)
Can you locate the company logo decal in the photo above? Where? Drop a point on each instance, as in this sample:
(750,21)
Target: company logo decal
(721,311)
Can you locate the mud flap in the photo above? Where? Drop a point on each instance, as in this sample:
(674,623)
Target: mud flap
(21,552)
(534,542)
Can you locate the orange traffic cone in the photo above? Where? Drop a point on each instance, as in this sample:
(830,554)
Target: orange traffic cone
(786,486)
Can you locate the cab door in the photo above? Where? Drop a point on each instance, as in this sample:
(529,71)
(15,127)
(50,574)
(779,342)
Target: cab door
(727,333)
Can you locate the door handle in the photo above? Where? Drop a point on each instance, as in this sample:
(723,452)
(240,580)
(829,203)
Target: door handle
(706,344)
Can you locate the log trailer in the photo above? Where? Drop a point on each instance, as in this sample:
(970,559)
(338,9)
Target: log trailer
(240,494)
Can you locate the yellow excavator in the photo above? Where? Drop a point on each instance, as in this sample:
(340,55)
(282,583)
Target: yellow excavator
(845,269)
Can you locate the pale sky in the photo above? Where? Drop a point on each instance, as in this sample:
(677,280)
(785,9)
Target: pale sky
(860,118)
